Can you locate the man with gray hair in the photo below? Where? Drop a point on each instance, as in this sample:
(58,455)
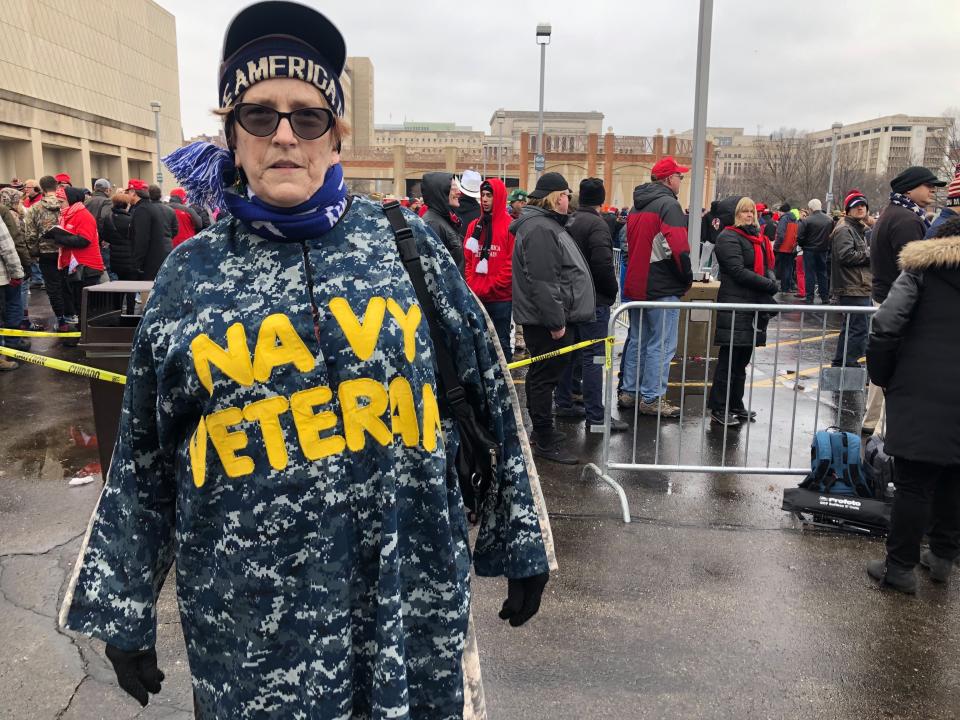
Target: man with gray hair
(814,239)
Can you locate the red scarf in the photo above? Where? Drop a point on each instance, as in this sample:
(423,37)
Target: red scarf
(762,249)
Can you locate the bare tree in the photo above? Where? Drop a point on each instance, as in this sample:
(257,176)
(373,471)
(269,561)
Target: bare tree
(952,139)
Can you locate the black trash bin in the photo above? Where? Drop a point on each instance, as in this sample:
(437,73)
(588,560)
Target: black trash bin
(109,315)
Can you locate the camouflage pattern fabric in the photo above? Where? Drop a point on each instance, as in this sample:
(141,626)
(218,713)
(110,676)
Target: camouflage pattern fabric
(281,440)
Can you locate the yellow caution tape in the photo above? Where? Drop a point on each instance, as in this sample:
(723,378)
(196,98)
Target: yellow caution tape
(65,366)
(36,333)
(556,353)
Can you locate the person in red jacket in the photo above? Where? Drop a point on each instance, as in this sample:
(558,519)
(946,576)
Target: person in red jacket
(188,220)
(658,268)
(79,243)
(488,258)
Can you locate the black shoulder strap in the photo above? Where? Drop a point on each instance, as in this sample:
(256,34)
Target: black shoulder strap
(407,246)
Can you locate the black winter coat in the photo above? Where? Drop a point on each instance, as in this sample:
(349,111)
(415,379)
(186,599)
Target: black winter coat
(814,232)
(116,228)
(912,353)
(151,235)
(740,284)
(436,194)
(896,227)
(592,236)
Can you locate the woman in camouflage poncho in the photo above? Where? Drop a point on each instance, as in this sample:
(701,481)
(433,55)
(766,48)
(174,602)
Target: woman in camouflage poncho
(281,436)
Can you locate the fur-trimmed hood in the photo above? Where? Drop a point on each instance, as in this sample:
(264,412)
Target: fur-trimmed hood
(939,253)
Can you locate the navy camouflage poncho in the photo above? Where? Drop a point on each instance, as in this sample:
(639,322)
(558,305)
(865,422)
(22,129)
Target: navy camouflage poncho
(281,440)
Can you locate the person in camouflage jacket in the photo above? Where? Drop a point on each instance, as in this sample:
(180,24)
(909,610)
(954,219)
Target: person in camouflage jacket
(283,441)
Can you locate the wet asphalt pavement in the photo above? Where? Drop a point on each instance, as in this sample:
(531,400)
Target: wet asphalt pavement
(711,603)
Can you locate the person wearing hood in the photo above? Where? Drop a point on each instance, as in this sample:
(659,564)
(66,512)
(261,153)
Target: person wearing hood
(658,268)
(850,277)
(745,255)
(469,210)
(41,217)
(441,195)
(911,354)
(488,259)
(552,288)
(17,297)
(189,222)
(79,242)
(285,441)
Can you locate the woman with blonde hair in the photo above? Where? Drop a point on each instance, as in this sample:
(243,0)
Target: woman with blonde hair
(552,286)
(746,262)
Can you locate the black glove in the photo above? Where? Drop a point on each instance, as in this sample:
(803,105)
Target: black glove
(137,672)
(523,598)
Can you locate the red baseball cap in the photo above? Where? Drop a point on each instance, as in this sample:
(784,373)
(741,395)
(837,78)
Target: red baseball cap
(666,167)
(179,193)
(136,184)
(63,178)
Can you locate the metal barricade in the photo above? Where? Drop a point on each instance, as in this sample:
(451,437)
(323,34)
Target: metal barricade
(827,322)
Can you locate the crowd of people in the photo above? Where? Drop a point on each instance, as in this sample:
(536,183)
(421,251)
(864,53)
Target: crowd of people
(59,239)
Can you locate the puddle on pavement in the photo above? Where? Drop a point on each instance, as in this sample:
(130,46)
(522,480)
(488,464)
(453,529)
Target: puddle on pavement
(59,453)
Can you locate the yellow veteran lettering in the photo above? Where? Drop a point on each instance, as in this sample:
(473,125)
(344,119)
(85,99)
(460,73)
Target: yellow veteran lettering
(198,453)
(267,412)
(431,419)
(408,322)
(279,344)
(234,362)
(403,412)
(361,336)
(310,424)
(360,419)
(227,443)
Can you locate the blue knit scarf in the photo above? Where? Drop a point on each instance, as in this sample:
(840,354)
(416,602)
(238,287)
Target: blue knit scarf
(903,201)
(208,174)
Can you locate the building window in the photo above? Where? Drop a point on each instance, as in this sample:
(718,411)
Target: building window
(901,128)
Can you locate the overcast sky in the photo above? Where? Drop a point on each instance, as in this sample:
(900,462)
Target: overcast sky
(790,63)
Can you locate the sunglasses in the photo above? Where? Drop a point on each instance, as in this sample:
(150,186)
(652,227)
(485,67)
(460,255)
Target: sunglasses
(262,121)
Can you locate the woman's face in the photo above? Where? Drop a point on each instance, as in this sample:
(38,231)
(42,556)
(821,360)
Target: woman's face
(284,169)
(747,217)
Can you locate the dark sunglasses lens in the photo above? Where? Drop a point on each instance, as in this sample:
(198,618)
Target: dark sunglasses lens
(311,123)
(257,119)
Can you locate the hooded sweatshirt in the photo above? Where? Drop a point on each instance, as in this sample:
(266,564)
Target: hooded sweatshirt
(658,263)
(495,244)
(435,187)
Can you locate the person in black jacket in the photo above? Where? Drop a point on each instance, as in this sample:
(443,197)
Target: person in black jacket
(813,237)
(592,235)
(116,233)
(746,263)
(151,230)
(901,222)
(912,354)
(442,197)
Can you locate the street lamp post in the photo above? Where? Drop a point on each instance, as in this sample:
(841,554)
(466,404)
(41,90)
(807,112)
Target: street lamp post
(501,163)
(155,106)
(833,162)
(544,31)
(698,173)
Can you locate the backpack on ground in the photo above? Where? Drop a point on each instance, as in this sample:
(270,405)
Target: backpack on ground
(878,467)
(835,466)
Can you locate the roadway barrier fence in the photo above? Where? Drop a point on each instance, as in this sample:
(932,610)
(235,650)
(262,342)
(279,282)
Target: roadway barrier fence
(681,444)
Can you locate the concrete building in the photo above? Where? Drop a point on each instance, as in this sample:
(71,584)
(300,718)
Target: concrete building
(887,145)
(736,155)
(567,131)
(357,83)
(428,136)
(77,83)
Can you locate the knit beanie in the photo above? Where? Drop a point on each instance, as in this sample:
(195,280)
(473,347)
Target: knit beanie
(592,193)
(854,198)
(953,189)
